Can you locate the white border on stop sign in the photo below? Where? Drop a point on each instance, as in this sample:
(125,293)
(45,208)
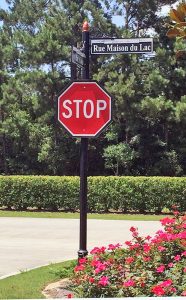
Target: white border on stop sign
(104,91)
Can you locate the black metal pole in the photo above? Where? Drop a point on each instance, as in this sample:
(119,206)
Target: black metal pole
(84,158)
(73,72)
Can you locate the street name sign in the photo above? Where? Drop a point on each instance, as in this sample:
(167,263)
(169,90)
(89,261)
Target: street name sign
(84,109)
(116,46)
(78,57)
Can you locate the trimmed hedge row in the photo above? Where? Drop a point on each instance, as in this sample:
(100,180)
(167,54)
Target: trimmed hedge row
(140,194)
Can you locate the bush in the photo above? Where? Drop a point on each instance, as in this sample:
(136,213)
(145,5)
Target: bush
(46,192)
(148,266)
(105,193)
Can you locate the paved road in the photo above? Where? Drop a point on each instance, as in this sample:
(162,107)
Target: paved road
(27,242)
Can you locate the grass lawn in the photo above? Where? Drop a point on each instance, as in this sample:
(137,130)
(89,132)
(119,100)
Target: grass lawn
(67,215)
(29,285)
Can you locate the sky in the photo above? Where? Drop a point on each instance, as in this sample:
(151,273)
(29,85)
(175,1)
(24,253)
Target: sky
(118,20)
(3,4)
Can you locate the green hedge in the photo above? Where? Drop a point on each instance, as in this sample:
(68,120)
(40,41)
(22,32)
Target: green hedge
(111,193)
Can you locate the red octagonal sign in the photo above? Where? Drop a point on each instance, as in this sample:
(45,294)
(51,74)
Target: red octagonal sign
(84,109)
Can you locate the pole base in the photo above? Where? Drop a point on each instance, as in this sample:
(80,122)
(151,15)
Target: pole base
(82,253)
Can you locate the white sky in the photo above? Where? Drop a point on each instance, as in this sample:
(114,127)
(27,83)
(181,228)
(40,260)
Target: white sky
(166,8)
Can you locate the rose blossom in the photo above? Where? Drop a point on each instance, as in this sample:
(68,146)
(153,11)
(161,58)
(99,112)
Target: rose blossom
(133,229)
(160,269)
(146,248)
(103,281)
(128,243)
(69,296)
(100,267)
(97,250)
(113,247)
(158,290)
(177,257)
(79,268)
(146,258)
(129,260)
(170,265)
(95,262)
(82,260)
(182,235)
(167,221)
(161,248)
(166,283)
(129,283)
(91,280)
(169,229)
(134,246)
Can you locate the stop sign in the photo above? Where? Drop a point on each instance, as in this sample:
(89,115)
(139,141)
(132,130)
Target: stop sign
(84,109)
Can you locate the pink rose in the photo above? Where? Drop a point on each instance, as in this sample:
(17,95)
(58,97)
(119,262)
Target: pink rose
(69,296)
(91,280)
(103,281)
(177,257)
(97,250)
(113,247)
(129,283)
(161,248)
(160,269)
(167,221)
(166,283)
(133,229)
(158,290)
(146,258)
(79,268)
(146,248)
(82,260)
(129,260)
(170,265)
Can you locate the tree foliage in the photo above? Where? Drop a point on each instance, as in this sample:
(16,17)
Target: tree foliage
(178,18)
(178,28)
(147,136)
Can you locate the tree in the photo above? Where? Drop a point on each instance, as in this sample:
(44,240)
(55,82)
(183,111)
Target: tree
(117,156)
(39,36)
(146,92)
(178,29)
(178,18)
(147,136)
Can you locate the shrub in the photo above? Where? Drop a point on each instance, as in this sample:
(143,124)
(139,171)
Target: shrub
(148,266)
(105,193)
(46,192)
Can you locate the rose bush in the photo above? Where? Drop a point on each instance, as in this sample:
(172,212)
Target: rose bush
(146,266)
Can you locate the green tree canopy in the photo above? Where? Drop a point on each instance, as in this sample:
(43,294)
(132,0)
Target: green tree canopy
(147,136)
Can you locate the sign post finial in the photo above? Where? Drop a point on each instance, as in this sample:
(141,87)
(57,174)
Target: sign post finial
(85,26)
